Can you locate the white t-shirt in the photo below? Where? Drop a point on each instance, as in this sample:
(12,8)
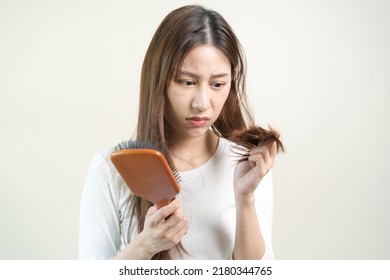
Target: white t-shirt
(207,200)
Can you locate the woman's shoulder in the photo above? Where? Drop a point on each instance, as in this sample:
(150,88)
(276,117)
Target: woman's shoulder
(101,161)
(102,175)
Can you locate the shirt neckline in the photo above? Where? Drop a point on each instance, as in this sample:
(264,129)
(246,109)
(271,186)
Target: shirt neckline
(217,154)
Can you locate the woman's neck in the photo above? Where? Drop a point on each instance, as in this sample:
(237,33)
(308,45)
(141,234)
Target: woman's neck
(188,154)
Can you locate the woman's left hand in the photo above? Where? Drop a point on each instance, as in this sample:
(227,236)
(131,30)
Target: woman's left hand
(249,173)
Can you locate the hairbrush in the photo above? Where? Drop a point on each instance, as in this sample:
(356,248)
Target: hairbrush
(147,170)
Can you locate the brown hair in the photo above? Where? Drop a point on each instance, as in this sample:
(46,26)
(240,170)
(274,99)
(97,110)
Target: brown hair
(181,31)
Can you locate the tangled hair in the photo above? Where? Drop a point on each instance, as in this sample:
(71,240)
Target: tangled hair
(181,31)
(249,138)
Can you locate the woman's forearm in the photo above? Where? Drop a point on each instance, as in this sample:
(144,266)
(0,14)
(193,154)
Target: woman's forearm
(135,250)
(249,242)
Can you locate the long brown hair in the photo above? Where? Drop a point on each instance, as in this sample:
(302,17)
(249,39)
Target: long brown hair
(181,31)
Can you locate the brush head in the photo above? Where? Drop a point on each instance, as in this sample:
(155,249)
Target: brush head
(147,171)
(147,145)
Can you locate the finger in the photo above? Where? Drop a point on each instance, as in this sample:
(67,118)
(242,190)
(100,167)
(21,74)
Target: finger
(259,165)
(263,160)
(261,149)
(266,155)
(178,232)
(151,210)
(269,155)
(173,219)
(183,231)
(254,157)
(272,127)
(166,211)
(173,232)
(256,150)
(182,223)
(273,150)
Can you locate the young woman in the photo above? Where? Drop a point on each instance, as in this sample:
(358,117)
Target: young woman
(192,101)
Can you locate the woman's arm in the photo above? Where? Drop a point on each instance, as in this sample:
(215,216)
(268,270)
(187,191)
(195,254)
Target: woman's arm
(249,240)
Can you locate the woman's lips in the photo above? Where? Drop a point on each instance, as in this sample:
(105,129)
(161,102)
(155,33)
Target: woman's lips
(198,121)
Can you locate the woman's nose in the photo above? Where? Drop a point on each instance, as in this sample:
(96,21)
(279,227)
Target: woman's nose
(201,101)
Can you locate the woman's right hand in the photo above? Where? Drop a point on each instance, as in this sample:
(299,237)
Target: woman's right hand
(163,228)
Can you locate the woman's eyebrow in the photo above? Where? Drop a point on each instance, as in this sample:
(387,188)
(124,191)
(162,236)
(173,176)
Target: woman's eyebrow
(195,76)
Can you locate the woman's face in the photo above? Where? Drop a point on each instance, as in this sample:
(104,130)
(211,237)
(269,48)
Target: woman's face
(196,97)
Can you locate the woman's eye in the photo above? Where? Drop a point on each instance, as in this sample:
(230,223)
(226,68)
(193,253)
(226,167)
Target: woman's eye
(186,83)
(218,85)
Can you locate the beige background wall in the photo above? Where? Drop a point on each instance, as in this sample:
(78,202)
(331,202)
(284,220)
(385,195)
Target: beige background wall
(69,73)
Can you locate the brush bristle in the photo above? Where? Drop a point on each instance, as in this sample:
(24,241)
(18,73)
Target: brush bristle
(134,144)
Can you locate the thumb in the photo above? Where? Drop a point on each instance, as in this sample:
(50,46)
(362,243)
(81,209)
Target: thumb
(151,210)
